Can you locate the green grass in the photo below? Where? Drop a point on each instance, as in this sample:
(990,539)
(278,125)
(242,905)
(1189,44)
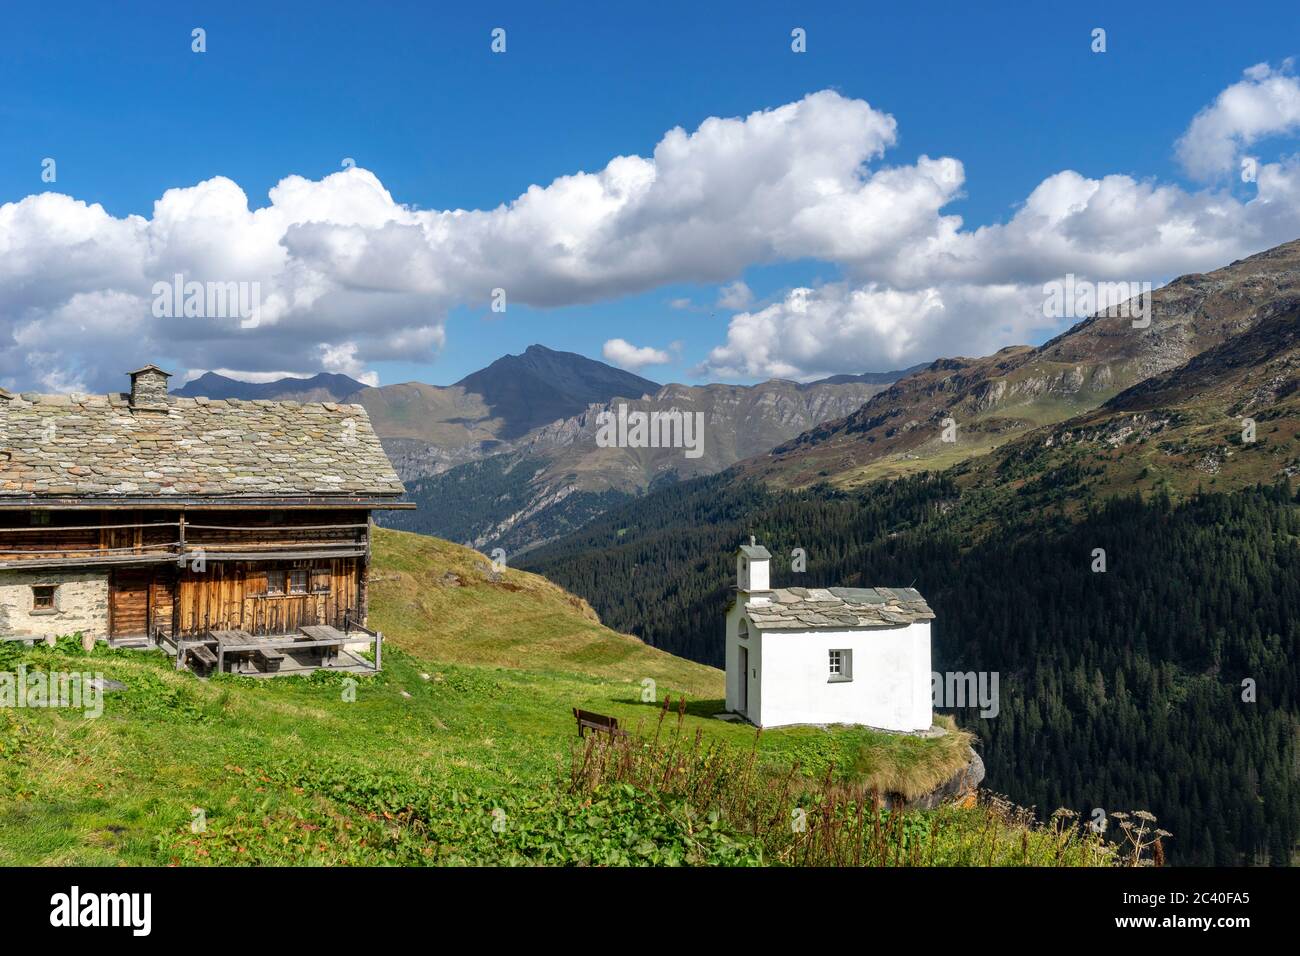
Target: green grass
(468,725)
(440,602)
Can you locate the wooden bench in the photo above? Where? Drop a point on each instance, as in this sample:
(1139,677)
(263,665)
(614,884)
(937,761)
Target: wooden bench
(269,658)
(202,654)
(597,722)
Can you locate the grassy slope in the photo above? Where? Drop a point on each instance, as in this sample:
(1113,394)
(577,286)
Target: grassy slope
(523,621)
(286,770)
(437,600)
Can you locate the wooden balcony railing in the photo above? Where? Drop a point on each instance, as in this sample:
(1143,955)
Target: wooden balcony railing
(180,541)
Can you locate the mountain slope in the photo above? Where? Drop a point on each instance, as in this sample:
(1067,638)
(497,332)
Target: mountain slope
(427,429)
(1229,418)
(1116,688)
(557,478)
(443,602)
(1133,669)
(995,398)
(518,439)
(541,385)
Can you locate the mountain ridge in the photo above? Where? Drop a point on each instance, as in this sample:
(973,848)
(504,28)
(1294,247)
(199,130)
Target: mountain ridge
(992,399)
(558,477)
(321,387)
(494,428)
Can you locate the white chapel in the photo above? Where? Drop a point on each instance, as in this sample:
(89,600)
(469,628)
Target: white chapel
(826,655)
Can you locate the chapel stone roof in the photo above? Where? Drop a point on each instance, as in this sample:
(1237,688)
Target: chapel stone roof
(802,609)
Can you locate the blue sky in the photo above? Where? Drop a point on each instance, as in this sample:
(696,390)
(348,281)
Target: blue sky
(415,96)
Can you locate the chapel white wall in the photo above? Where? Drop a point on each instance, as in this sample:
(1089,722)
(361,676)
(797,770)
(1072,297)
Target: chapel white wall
(890,688)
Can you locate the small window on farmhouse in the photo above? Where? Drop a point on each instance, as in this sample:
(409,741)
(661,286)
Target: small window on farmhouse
(43,597)
(274,582)
(297,582)
(841,665)
(40,517)
(320,581)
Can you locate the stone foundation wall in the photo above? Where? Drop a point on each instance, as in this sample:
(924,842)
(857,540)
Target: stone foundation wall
(80,604)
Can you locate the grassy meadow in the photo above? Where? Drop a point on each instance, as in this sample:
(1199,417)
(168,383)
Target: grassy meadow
(463,750)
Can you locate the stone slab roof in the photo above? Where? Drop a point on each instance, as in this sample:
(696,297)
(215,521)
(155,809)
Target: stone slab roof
(803,609)
(91,446)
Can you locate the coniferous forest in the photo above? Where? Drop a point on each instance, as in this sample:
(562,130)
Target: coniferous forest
(1167,681)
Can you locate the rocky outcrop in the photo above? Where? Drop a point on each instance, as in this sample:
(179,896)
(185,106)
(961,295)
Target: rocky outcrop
(959,788)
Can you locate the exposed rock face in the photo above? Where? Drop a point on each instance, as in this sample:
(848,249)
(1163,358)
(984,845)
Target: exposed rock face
(414,458)
(961,787)
(1194,417)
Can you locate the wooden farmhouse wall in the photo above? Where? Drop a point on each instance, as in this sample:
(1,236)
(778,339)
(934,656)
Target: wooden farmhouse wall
(264,597)
(259,570)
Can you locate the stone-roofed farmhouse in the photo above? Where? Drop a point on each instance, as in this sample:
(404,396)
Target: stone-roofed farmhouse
(826,655)
(144,516)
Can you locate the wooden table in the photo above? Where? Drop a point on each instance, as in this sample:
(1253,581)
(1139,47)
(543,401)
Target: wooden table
(329,639)
(236,642)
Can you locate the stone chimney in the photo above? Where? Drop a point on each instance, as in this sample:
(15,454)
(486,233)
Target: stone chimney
(149,388)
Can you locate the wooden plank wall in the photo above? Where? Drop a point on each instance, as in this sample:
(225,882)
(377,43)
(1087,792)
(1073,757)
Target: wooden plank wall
(249,530)
(226,594)
(69,535)
(162,590)
(231,595)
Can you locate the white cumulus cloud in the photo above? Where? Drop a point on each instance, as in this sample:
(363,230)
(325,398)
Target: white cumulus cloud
(1266,102)
(347,276)
(735,296)
(341,265)
(624,353)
